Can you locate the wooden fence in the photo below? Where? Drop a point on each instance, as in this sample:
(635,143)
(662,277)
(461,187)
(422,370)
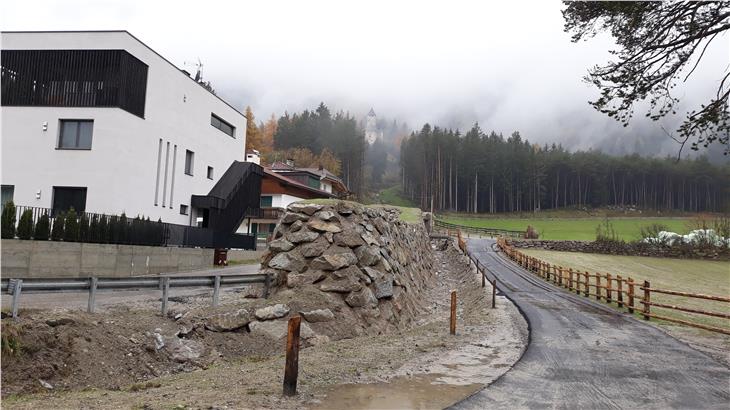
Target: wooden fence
(625,292)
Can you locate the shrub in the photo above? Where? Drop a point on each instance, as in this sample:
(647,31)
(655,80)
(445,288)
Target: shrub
(7,227)
(57,229)
(652,230)
(111,226)
(606,233)
(42,228)
(94,234)
(71,227)
(25,225)
(84,228)
(122,229)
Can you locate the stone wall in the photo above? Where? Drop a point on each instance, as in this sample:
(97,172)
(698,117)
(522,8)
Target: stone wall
(627,248)
(35,259)
(365,257)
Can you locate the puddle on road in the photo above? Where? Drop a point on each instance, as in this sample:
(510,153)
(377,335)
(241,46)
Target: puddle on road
(425,391)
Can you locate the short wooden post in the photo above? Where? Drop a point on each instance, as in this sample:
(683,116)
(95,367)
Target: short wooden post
(267,285)
(165,293)
(291,368)
(560,276)
(547,273)
(608,288)
(216,289)
(452,322)
(647,300)
(598,286)
(494,293)
(570,279)
(631,295)
(16,297)
(588,282)
(484,279)
(619,291)
(93,281)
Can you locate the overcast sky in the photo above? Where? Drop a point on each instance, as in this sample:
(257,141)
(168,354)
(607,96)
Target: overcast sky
(508,64)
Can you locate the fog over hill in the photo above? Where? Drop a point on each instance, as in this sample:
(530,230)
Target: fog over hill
(507,65)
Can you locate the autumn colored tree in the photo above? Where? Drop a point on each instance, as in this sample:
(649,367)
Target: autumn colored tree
(267,130)
(253,134)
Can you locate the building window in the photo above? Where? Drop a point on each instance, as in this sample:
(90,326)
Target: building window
(222,125)
(7,193)
(265,202)
(66,197)
(189,159)
(75,134)
(183,209)
(210,172)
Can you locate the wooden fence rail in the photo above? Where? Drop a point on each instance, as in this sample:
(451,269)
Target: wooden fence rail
(618,289)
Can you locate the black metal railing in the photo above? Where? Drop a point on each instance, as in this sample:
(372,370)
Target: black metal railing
(114,229)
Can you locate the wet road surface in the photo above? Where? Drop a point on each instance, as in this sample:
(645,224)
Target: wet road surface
(585,355)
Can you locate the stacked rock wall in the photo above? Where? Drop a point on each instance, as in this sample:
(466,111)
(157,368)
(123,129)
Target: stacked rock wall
(365,256)
(627,248)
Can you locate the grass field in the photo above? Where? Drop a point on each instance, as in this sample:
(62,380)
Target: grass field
(394,196)
(572,228)
(686,275)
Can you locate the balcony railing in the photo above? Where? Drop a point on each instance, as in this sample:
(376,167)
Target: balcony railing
(265,213)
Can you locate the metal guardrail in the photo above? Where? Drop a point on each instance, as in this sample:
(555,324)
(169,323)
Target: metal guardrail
(94,284)
(493,232)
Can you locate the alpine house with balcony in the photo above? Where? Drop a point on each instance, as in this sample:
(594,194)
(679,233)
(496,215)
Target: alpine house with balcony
(98,121)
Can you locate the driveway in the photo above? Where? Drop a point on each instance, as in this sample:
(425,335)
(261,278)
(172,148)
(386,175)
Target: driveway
(582,354)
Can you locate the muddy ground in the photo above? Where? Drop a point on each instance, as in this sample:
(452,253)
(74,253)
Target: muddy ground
(108,360)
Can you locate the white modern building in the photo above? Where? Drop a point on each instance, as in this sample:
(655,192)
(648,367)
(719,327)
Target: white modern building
(101,122)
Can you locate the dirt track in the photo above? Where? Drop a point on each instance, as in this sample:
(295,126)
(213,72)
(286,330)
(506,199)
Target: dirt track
(585,355)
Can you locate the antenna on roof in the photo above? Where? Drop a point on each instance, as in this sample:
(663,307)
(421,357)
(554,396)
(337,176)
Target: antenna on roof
(199,73)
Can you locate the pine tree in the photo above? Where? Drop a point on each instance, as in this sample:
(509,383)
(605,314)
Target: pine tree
(253,135)
(57,229)
(8,221)
(42,228)
(71,227)
(84,228)
(25,225)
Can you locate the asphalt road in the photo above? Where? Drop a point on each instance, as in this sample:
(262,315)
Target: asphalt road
(584,355)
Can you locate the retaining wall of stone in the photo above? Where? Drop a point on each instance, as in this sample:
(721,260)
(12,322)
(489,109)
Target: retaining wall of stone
(627,248)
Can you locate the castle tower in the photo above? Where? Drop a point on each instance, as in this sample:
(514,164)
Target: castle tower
(371,128)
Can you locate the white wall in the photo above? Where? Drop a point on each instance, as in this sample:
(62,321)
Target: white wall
(120,169)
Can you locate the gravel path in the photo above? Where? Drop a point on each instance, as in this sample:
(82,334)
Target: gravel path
(584,355)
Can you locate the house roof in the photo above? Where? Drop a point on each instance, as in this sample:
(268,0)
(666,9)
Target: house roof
(321,173)
(291,182)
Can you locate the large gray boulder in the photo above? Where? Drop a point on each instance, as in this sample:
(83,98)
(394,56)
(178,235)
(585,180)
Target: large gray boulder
(363,297)
(277,329)
(314,249)
(367,255)
(304,208)
(326,215)
(280,245)
(334,258)
(322,226)
(318,315)
(384,286)
(229,321)
(288,262)
(350,238)
(290,217)
(344,285)
(272,312)
(302,235)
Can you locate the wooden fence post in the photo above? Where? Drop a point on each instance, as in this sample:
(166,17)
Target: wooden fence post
(494,293)
(608,288)
(570,279)
(560,276)
(291,368)
(647,300)
(619,291)
(484,279)
(92,294)
(588,281)
(452,322)
(598,286)
(631,295)
(165,292)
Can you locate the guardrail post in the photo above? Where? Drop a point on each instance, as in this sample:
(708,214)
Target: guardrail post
(598,286)
(587,289)
(165,281)
(452,321)
(16,297)
(216,289)
(608,288)
(647,300)
(619,291)
(93,281)
(494,293)
(291,368)
(631,295)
